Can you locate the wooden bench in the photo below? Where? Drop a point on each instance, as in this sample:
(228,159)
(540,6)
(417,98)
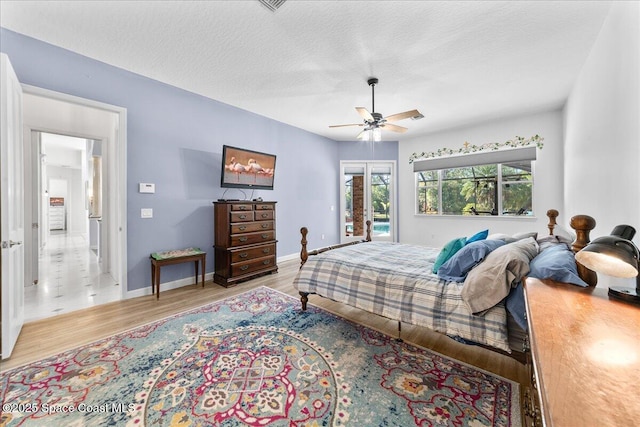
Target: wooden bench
(159,259)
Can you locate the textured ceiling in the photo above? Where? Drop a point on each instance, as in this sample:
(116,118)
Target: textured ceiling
(308,63)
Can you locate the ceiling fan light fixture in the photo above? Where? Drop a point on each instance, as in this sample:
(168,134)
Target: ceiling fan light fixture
(372,134)
(376,134)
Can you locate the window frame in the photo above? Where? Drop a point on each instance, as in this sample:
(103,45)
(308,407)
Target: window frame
(499,194)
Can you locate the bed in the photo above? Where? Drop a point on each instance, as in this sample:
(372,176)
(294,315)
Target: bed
(398,281)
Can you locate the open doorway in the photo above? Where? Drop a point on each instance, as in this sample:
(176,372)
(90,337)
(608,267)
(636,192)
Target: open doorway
(75,199)
(69,270)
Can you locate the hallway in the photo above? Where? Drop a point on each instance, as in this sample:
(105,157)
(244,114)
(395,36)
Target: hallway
(69,279)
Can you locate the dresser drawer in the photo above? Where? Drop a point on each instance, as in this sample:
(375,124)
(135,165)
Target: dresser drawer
(240,255)
(264,207)
(254,226)
(242,207)
(251,238)
(241,216)
(263,215)
(253,265)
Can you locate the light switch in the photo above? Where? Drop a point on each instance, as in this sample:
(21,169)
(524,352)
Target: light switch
(146,213)
(147,187)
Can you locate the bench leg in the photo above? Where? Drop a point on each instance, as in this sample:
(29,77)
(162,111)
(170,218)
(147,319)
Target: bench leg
(196,262)
(157,277)
(203,269)
(153,279)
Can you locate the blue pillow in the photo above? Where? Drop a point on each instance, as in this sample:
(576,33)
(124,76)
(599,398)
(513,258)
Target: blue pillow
(556,263)
(514,303)
(457,267)
(480,235)
(448,251)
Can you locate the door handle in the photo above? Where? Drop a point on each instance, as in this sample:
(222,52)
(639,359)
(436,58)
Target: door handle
(9,244)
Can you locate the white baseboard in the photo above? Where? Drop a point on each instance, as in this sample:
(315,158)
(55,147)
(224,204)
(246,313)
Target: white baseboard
(289,257)
(189,281)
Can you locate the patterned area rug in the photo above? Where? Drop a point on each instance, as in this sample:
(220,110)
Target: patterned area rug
(254,359)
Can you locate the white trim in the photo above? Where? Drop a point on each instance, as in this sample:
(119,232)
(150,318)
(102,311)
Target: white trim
(174,284)
(475,159)
(117,230)
(289,257)
(189,281)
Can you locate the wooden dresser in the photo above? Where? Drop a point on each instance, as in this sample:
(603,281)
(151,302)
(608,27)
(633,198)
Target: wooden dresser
(586,355)
(245,240)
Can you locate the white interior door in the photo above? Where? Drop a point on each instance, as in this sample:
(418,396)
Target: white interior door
(367,193)
(12,206)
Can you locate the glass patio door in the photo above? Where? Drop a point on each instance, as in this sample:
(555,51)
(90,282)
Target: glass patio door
(367,192)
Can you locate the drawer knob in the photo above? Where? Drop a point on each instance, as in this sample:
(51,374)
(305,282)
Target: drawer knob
(244,255)
(265,226)
(266,250)
(244,267)
(266,262)
(265,206)
(243,208)
(264,215)
(243,217)
(265,236)
(243,239)
(242,227)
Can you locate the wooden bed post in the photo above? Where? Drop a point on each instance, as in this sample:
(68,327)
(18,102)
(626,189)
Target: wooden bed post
(583,224)
(304,255)
(368,238)
(552,214)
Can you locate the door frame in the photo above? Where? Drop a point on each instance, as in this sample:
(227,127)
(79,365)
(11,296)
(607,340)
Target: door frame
(368,166)
(116,175)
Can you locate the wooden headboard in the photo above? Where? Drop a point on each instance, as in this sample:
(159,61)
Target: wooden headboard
(583,224)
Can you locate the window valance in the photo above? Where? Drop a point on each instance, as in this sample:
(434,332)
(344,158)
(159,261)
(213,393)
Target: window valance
(476,159)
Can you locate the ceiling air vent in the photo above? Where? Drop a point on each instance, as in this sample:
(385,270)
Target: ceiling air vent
(272,5)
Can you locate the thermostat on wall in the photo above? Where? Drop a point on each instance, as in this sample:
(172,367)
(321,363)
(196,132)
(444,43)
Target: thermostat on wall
(147,188)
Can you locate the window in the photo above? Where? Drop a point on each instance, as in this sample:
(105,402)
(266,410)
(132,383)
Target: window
(502,189)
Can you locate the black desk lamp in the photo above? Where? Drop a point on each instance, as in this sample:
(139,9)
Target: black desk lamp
(615,255)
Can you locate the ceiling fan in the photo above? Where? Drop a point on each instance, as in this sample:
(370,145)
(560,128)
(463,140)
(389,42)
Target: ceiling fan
(375,122)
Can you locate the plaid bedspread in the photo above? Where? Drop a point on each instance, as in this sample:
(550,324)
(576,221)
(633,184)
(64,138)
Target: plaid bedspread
(395,280)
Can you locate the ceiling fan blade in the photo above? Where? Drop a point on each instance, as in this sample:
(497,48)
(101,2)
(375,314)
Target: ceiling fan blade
(401,116)
(351,124)
(365,114)
(394,128)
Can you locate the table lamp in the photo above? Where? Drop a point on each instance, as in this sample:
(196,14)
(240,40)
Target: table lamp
(615,255)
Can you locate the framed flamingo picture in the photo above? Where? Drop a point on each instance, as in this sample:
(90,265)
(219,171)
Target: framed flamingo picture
(242,168)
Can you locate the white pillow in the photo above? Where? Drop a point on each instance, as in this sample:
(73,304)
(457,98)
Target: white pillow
(564,235)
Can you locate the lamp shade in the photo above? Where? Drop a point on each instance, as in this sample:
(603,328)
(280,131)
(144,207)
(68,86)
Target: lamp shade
(612,255)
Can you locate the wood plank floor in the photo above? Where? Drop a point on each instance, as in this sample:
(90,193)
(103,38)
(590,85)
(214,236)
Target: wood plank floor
(50,336)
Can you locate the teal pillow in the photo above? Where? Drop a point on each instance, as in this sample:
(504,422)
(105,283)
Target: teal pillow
(480,235)
(448,251)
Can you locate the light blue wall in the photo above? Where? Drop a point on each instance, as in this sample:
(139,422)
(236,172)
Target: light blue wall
(175,140)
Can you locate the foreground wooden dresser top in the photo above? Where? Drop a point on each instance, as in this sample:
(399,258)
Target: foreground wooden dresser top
(586,355)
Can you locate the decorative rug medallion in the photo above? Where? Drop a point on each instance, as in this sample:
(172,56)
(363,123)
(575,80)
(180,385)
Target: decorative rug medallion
(254,359)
